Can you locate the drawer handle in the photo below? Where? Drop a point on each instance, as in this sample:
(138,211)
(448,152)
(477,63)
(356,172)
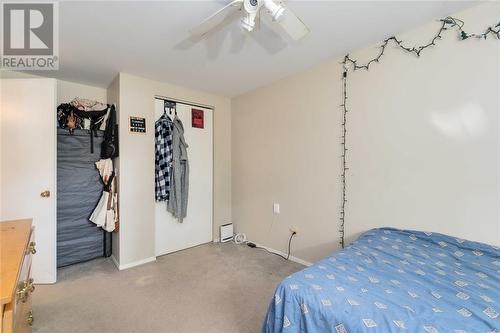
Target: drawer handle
(30,286)
(30,318)
(22,295)
(31,248)
(24,291)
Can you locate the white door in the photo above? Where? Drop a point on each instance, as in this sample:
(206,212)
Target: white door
(196,228)
(28,164)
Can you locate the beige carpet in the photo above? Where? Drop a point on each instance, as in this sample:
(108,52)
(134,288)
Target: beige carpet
(209,288)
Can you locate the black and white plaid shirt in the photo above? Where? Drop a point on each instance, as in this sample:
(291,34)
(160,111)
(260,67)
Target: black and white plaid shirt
(163,157)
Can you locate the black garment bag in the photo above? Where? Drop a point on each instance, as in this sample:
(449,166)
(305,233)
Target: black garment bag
(79,189)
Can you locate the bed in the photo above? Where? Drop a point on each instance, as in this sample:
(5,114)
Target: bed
(391,280)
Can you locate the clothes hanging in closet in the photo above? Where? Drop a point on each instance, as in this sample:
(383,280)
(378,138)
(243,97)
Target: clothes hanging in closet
(86,190)
(163,157)
(177,203)
(105,214)
(88,105)
(84,114)
(109,147)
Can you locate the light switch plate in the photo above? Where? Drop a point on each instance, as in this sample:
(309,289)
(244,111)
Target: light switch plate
(276,208)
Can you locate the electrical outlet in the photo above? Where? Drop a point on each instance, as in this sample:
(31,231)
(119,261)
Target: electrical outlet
(294,229)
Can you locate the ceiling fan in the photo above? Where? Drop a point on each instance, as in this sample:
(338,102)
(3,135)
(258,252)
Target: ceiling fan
(250,11)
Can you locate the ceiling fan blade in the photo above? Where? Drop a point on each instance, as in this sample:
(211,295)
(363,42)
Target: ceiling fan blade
(257,21)
(216,19)
(293,25)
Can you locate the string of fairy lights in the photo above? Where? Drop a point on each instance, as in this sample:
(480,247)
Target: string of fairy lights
(352,64)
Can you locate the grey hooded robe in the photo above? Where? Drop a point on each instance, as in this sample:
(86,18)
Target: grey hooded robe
(179,177)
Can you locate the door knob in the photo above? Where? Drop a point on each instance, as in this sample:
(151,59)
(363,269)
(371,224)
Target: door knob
(45,194)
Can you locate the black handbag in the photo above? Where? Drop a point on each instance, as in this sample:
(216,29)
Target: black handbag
(109,147)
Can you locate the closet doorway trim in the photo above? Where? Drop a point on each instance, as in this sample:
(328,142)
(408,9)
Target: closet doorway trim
(215,237)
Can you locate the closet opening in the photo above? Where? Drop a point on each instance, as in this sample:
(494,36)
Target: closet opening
(184,204)
(87,143)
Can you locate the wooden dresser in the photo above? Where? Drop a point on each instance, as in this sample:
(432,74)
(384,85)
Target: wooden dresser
(17,247)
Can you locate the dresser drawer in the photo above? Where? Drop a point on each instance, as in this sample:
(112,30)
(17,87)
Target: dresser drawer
(18,318)
(17,315)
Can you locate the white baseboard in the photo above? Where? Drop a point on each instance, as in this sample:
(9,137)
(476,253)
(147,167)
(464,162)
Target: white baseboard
(292,258)
(132,264)
(216,240)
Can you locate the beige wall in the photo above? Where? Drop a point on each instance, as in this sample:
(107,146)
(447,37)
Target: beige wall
(285,150)
(426,149)
(66,90)
(423,145)
(136,182)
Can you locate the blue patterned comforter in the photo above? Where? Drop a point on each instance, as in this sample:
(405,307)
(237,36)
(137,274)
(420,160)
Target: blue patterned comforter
(392,280)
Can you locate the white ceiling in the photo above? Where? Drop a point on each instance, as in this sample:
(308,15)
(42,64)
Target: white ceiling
(150,39)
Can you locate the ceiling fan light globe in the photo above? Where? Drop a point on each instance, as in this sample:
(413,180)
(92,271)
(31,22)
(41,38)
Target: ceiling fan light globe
(274,9)
(278,15)
(247,24)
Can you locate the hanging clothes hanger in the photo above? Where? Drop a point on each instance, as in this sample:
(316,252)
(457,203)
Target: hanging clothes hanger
(169,105)
(165,107)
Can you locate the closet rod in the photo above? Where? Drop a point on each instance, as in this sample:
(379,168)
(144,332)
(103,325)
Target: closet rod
(168,99)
